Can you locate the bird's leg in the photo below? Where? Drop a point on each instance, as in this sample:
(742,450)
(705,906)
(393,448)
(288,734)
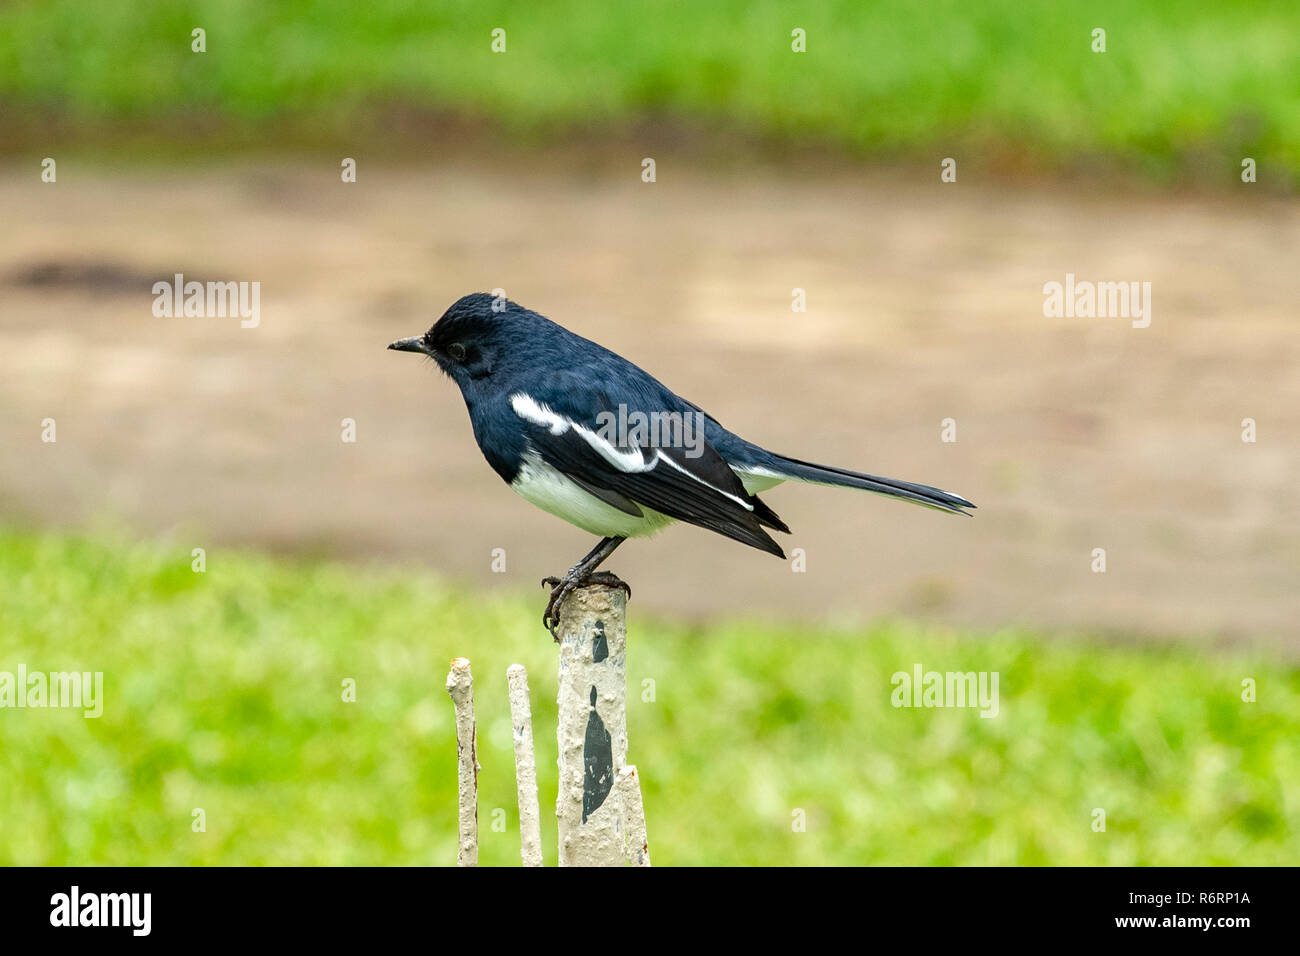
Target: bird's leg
(584,572)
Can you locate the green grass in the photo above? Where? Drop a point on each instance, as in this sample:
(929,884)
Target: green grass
(223,691)
(1183,84)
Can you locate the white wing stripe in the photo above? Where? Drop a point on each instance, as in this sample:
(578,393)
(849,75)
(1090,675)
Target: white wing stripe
(539,413)
(626,461)
(660,456)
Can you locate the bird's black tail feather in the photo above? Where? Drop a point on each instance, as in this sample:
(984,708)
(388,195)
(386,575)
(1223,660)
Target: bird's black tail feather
(796,470)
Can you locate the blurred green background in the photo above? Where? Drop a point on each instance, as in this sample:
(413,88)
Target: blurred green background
(223,689)
(1184,88)
(223,692)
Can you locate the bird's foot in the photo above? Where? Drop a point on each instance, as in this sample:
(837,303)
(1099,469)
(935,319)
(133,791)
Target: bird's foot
(561,588)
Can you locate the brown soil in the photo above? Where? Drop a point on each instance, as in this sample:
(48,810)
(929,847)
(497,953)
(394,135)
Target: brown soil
(924,303)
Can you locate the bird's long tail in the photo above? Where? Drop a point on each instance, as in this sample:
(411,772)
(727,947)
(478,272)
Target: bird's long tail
(793,469)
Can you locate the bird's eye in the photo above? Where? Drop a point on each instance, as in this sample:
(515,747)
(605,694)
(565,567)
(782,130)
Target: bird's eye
(456,351)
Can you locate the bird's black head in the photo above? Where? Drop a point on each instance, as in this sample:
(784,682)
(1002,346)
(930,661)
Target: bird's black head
(470,341)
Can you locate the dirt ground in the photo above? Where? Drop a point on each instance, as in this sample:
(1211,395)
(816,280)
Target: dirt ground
(925,302)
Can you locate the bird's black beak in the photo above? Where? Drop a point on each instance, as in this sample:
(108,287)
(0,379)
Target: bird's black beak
(414,344)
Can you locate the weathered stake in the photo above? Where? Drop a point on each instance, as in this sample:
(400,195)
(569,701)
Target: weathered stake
(636,847)
(592,731)
(530,829)
(460,685)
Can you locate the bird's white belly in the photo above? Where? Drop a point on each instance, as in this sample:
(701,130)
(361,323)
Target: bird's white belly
(550,490)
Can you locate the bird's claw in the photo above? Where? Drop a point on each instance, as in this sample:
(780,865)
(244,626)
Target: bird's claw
(561,588)
(551,616)
(610,580)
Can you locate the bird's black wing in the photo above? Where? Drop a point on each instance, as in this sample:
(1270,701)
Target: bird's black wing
(694,485)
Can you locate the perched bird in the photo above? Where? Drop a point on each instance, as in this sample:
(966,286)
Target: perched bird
(591,438)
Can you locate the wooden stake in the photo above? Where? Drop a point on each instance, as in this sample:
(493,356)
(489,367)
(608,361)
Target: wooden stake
(592,727)
(460,685)
(530,829)
(627,786)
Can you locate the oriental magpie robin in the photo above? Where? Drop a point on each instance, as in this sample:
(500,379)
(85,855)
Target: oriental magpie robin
(593,439)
